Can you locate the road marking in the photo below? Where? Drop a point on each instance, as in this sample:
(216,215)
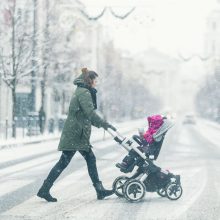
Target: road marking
(12,185)
(27,164)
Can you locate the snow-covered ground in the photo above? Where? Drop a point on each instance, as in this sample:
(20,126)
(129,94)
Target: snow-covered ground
(189,150)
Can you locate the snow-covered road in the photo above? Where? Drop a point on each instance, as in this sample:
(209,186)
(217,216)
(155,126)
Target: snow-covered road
(193,151)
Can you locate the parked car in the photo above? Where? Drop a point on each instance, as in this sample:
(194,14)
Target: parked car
(189,119)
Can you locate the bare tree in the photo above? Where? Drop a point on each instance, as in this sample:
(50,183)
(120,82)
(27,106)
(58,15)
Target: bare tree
(15,51)
(45,64)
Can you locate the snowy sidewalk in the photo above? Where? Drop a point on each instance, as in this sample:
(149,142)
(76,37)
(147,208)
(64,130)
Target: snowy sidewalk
(28,140)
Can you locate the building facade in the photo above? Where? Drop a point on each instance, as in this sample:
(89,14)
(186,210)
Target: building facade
(212,43)
(72,43)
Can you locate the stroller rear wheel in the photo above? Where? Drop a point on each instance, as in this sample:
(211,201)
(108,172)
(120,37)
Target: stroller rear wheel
(134,190)
(174,191)
(161,192)
(118,185)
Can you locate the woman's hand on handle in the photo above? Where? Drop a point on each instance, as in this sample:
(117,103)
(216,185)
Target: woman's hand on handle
(108,125)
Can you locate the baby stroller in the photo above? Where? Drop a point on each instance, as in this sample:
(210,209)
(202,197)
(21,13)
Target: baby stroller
(148,176)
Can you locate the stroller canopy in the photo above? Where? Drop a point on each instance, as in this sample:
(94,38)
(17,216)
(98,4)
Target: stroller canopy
(167,124)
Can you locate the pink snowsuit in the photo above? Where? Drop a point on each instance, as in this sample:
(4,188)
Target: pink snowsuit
(154,122)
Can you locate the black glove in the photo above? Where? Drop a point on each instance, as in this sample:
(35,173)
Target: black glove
(107,125)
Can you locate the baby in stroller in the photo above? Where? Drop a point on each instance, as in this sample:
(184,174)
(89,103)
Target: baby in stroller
(149,142)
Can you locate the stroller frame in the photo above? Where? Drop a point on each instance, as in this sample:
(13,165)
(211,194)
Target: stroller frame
(124,186)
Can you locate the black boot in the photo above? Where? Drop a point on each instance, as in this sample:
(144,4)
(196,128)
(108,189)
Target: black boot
(122,165)
(44,192)
(101,191)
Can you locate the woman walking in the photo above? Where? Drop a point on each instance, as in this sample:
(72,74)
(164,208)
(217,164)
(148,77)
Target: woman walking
(76,135)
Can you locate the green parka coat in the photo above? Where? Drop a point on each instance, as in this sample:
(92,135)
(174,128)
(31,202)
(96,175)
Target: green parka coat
(77,128)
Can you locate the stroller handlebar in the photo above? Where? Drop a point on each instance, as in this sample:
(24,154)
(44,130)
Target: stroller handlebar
(125,142)
(114,133)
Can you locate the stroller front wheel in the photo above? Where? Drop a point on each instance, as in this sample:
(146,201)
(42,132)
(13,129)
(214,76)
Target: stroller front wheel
(118,185)
(134,190)
(161,192)
(174,191)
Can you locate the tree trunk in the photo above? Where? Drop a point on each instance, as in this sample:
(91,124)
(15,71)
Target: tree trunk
(42,115)
(63,101)
(13,89)
(45,65)
(34,57)
(14,112)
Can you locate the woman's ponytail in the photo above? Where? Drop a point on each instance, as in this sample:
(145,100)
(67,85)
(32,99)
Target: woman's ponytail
(84,70)
(88,76)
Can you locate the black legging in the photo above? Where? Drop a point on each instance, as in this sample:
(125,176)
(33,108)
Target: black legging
(65,160)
